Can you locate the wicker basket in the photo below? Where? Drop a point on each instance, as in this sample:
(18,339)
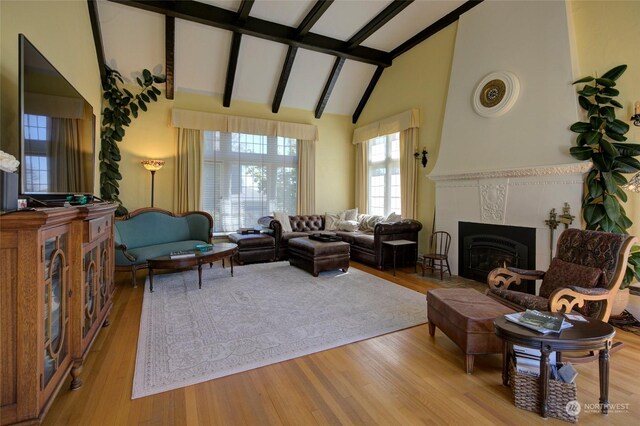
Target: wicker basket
(526,395)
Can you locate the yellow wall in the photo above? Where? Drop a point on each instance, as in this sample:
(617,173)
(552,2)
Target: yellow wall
(61,31)
(418,79)
(607,34)
(151,137)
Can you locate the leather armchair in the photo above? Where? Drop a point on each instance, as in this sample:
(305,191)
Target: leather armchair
(585,275)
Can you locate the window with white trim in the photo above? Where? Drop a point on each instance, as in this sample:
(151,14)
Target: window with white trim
(384,174)
(36,139)
(246,177)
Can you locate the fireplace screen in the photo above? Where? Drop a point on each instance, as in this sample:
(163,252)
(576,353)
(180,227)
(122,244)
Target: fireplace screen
(484,247)
(487,252)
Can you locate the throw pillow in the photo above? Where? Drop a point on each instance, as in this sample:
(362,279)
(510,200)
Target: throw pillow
(347,225)
(367,222)
(564,274)
(283,218)
(330,221)
(350,214)
(393,217)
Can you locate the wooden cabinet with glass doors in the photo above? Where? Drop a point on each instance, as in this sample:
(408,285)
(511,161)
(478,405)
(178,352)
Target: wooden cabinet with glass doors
(45,302)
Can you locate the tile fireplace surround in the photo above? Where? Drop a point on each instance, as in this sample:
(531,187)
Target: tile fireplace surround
(517,197)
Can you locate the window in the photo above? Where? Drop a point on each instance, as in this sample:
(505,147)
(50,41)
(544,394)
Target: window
(35,153)
(246,177)
(384,175)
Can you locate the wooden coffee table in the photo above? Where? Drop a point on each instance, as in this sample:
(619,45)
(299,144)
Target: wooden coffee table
(589,335)
(217,252)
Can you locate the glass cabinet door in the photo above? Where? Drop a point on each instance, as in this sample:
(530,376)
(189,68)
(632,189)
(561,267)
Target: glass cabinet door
(104,278)
(90,296)
(56,311)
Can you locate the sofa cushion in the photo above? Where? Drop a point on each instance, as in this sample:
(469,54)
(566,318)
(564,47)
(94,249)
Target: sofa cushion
(330,221)
(283,218)
(393,217)
(521,300)
(367,222)
(564,274)
(347,225)
(143,253)
(364,240)
(351,214)
(291,235)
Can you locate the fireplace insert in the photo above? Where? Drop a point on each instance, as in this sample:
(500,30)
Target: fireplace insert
(484,247)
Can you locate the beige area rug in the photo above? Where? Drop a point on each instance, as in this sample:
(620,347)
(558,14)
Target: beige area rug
(265,314)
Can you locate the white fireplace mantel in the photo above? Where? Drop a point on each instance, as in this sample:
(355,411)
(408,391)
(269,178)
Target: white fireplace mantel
(516,197)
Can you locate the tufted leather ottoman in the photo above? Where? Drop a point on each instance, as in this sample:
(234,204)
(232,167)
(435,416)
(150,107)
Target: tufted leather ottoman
(317,256)
(466,317)
(254,248)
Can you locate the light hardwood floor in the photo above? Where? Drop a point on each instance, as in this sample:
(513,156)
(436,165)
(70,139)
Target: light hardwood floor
(402,378)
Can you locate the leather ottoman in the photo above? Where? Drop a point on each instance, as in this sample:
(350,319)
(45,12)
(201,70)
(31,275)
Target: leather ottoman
(317,256)
(466,317)
(254,248)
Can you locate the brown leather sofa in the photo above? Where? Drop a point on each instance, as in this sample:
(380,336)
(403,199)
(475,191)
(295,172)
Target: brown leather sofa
(366,247)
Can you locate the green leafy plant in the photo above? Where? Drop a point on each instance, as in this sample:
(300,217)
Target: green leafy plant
(602,141)
(120,107)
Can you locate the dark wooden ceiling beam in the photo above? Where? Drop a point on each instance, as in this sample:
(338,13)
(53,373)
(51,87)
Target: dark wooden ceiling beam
(169,53)
(367,94)
(244,10)
(284,78)
(328,87)
(97,36)
(220,18)
(372,26)
(409,44)
(231,69)
(440,24)
(376,23)
(312,17)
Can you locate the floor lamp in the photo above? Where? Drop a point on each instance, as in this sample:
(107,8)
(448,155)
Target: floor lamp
(153,166)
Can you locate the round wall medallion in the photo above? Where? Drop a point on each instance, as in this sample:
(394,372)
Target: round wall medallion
(496,94)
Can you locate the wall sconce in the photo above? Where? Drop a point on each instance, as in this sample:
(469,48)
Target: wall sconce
(635,118)
(153,166)
(634,183)
(424,156)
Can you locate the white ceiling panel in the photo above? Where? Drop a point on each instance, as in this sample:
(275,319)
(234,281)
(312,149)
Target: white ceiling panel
(133,39)
(345,18)
(224,4)
(352,82)
(259,65)
(409,22)
(285,12)
(201,55)
(307,79)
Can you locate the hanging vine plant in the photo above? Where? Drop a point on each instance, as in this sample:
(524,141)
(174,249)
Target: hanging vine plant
(121,106)
(602,141)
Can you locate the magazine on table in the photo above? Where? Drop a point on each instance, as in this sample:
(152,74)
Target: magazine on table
(181,254)
(542,322)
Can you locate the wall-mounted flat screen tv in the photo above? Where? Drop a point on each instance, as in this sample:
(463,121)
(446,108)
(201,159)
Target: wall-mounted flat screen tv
(57,131)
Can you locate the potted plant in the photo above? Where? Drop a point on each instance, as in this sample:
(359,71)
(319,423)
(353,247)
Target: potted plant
(601,140)
(120,106)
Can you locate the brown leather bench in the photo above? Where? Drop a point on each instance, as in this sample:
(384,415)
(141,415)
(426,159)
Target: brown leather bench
(317,256)
(466,317)
(254,248)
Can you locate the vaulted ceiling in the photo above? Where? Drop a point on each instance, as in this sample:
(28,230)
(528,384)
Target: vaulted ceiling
(318,55)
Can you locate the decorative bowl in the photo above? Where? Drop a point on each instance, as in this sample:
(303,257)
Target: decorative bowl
(204,247)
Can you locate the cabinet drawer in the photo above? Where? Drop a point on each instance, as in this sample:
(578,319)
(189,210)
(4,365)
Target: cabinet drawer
(95,228)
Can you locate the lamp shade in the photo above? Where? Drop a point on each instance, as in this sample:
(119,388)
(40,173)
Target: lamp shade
(152,165)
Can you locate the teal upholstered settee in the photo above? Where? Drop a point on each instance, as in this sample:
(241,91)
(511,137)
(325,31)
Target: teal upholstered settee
(152,232)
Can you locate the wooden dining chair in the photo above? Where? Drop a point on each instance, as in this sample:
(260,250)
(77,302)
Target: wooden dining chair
(437,256)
